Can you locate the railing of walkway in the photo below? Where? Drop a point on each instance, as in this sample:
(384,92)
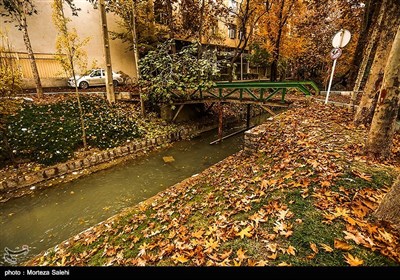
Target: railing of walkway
(258,91)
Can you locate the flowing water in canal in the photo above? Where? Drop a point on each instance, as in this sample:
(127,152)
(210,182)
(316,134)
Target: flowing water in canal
(50,216)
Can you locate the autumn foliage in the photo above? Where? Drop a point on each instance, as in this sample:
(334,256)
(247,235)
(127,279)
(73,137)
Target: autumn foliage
(305,198)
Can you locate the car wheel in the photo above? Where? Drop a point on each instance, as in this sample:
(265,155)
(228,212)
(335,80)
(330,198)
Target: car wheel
(115,83)
(83,85)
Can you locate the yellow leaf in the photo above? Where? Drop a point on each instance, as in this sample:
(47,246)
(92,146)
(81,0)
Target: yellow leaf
(245,232)
(314,247)
(241,254)
(235,263)
(387,236)
(262,263)
(211,245)
(339,244)
(282,214)
(291,250)
(198,234)
(273,256)
(180,258)
(284,264)
(168,159)
(325,184)
(353,261)
(326,247)
(272,247)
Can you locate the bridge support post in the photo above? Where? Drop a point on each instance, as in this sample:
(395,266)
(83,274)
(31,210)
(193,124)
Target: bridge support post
(220,120)
(248,115)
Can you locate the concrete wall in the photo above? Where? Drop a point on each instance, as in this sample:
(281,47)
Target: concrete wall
(43,35)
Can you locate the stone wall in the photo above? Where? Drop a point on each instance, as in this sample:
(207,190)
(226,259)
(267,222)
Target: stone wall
(252,138)
(75,165)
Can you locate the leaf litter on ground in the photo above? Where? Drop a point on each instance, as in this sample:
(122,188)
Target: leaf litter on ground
(306,197)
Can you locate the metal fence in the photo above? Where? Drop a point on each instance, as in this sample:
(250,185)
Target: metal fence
(47,64)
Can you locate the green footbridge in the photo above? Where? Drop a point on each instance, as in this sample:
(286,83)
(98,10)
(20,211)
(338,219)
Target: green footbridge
(254,91)
(261,93)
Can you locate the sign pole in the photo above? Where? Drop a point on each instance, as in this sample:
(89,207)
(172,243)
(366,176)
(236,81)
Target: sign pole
(340,40)
(330,81)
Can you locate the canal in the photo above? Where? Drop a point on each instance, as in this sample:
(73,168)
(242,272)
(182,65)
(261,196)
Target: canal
(50,216)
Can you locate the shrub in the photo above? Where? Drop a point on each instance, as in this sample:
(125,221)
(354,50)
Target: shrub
(51,133)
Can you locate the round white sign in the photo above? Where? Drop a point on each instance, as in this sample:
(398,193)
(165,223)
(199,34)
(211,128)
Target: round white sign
(336,53)
(341,39)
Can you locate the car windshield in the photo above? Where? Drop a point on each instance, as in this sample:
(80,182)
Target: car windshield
(87,72)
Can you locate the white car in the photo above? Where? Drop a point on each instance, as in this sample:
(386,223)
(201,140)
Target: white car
(94,77)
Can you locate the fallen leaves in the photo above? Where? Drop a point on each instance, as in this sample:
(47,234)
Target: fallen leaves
(245,232)
(353,261)
(291,250)
(179,258)
(250,210)
(326,248)
(342,245)
(314,247)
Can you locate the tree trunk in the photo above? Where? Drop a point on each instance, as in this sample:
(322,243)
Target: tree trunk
(275,58)
(371,9)
(366,107)
(200,33)
(35,72)
(389,209)
(171,28)
(136,55)
(107,54)
(380,137)
(366,53)
(274,64)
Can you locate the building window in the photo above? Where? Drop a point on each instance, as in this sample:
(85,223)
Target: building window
(242,34)
(160,12)
(232,31)
(233,6)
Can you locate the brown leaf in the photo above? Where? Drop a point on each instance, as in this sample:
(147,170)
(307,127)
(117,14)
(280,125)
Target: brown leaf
(327,248)
(362,175)
(311,256)
(314,247)
(353,261)
(226,254)
(342,245)
(214,257)
(286,233)
(350,220)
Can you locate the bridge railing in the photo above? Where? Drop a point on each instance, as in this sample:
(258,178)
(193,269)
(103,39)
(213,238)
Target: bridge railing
(260,91)
(251,91)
